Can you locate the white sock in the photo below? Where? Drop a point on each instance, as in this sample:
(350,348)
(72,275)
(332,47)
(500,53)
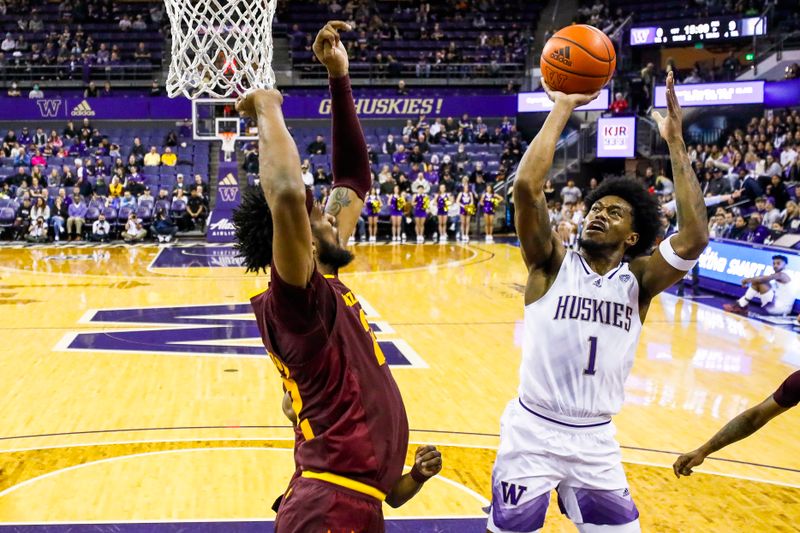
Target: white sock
(749,295)
(767,297)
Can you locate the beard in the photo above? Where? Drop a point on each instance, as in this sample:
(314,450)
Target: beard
(592,247)
(333,255)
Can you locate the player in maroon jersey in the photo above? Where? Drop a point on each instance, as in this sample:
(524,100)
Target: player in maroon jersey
(352,428)
(743,425)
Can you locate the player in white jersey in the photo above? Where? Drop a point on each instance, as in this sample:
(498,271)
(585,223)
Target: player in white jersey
(775,290)
(583,315)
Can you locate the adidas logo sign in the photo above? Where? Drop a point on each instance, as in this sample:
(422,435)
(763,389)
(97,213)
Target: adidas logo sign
(598,282)
(562,55)
(625,278)
(229,180)
(83,110)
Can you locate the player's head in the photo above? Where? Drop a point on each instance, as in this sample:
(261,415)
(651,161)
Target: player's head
(620,213)
(254,232)
(779,262)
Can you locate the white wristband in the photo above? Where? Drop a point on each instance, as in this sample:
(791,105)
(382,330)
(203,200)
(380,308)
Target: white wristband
(675,261)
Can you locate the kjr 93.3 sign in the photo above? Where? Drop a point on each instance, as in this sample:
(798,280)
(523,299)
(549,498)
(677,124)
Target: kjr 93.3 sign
(616,137)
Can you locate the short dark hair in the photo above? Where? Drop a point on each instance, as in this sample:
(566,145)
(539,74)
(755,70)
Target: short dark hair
(253,223)
(646,211)
(781,257)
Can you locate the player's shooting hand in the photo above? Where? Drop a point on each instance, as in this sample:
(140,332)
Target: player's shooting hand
(573,100)
(670,126)
(258,100)
(329,49)
(684,464)
(428,461)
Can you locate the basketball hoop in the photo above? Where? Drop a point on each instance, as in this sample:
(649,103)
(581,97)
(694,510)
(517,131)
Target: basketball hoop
(228,139)
(220,48)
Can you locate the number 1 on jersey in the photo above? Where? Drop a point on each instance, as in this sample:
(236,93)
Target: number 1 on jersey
(589,370)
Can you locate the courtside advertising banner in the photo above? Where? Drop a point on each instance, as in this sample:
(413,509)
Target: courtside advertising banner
(616,137)
(538,102)
(708,94)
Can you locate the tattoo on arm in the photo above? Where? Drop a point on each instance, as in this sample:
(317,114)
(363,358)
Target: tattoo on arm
(740,427)
(338,199)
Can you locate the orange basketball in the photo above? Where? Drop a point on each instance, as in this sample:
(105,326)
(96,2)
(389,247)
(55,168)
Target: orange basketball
(578,59)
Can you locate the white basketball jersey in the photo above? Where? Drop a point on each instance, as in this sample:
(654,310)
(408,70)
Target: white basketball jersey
(784,295)
(579,342)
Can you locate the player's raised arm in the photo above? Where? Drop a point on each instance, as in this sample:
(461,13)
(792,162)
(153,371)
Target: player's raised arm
(538,241)
(351,172)
(676,255)
(282,183)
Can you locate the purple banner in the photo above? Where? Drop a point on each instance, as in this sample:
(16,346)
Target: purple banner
(616,137)
(115,108)
(220,227)
(708,94)
(298,107)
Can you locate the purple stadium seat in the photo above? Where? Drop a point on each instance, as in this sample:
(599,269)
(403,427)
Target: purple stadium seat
(7,217)
(145,213)
(92,214)
(123,213)
(178,208)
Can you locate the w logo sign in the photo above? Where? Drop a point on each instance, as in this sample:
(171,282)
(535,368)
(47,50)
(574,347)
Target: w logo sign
(228,194)
(512,493)
(49,108)
(640,36)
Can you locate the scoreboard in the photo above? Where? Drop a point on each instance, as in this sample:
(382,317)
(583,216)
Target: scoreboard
(698,31)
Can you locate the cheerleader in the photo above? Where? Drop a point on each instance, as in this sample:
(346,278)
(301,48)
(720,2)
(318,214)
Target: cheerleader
(397,202)
(421,204)
(443,201)
(467,202)
(374,204)
(489,203)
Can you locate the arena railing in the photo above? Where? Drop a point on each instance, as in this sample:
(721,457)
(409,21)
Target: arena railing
(61,75)
(452,73)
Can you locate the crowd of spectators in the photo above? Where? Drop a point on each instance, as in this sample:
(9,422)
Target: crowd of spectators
(448,36)
(56,36)
(95,191)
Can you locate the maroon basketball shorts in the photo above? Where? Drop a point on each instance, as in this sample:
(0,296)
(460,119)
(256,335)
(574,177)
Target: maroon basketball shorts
(313,506)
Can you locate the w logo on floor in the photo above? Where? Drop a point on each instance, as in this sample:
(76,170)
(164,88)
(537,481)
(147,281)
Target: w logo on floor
(202,331)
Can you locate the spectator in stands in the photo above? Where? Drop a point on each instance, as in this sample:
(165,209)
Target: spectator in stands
(106,92)
(125,23)
(69,131)
(180,185)
(308,177)
(416,156)
(400,155)
(91,90)
(23,219)
(788,155)
(773,167)
(138,149)
(9,44)
(155,88)
(13,91)
(134,182)
(461,156)
(620,105)
(36,92)
(790,218)
(101,229)
(53,179)
(714,183)
(39,138)
(401,86)
(76,218)
(571,194)
(694,77)
(40,209)
(59,215)
(37,231)
(766,209)
(755,231)
(171,139)
(163,228)
(389,146)
(196,209)
(38,159)
(318,146)
(421,182)
(127,200)
(198,182)
(730,66)
(142,55)
(139,24)
(134,231)
(152,158)
(168,158)
(115,187)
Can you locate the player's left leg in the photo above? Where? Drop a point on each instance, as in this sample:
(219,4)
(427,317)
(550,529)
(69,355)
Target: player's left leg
(595,495)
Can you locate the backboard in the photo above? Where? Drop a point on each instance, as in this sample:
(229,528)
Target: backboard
(212,116)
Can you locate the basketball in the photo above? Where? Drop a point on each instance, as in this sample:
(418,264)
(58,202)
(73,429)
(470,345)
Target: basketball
(578,59)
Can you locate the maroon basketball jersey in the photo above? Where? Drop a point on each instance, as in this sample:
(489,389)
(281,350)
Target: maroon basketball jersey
(351,417)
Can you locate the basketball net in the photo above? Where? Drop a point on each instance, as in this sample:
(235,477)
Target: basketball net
(220,48)
(228,139)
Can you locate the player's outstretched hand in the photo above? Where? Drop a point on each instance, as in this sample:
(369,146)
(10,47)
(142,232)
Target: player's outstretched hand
(428,461)
(574,100)
(258,100)
(670,126)
(684,464)
(329,49)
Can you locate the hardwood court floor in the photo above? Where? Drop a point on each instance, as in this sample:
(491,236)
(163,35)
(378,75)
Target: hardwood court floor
(134,388)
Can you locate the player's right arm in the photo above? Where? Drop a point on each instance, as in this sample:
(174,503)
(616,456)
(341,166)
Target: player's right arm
(540,245)
(427,463)
(743,425)
(281,180)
